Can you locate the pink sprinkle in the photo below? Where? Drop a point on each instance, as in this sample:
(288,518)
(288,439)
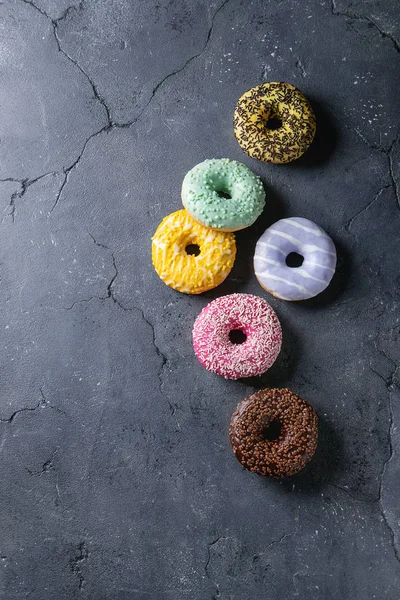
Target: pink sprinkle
(255,318)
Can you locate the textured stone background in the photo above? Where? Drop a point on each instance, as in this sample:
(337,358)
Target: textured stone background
(117,478)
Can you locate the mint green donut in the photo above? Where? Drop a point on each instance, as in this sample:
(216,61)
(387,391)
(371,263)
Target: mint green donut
(201,199)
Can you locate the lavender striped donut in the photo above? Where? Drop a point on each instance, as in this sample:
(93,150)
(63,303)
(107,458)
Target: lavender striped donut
(304,238)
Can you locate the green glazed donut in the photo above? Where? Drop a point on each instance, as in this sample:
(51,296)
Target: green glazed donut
(223,194)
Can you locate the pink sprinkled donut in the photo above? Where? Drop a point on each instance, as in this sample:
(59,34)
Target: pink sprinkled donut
(223,321)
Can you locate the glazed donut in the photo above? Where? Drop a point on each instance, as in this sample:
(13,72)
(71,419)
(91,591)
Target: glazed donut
(259,327)
(190,273)
(291,111)
(223,194)
(302,237)
(292,422)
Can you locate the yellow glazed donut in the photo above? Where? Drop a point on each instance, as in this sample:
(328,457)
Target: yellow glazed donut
(274,104)
(177,236)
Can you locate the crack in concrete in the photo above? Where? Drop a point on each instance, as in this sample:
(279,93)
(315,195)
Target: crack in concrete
(385,464)
(25,184)
(96,92)
(17,194)
(42,12)
(350,221)
(21,410)
(110,123)
(97,96)
(46,466)
(218,538)
(109,288)
(54,23)
(355,130)
(391,172)
(173,73)
(393,181)
(390,383)
(110,295)
(63,184)
(57,501)
(67,171)
(299,65)
(45,403)
(281,539)
(82,302)
(371,145)
(42,403)
(363,18)
(348,493)
(209,546)
(76,563)
(160,353)
(69,9)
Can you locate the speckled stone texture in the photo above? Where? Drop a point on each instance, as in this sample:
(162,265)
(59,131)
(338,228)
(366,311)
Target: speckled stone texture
(117,477)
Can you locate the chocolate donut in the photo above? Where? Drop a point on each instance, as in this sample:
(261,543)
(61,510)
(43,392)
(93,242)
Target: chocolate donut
(274,432)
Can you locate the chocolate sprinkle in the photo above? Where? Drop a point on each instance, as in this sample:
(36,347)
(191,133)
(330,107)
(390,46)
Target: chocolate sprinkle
(297,440)
(269,101)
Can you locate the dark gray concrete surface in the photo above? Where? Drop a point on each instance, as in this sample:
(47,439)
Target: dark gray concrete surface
(117,477)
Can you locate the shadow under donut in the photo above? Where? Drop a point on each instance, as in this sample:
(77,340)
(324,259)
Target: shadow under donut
(327,460)
(283,369)
(337,286)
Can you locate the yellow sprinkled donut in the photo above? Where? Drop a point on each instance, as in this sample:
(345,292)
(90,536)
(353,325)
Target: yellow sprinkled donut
(281,106)
(177,238)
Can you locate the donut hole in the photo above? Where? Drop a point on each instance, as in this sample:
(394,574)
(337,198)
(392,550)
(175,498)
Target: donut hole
(223,194)
(294,260)
(192,249)
(272,431)
(274,123)
(237,336)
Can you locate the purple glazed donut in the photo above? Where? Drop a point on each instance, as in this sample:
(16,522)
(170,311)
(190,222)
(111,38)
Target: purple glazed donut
(314,250)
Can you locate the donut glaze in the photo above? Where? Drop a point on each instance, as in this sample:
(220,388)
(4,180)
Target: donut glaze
(284,103)
(297,433)
(304,238)
(251,315)
(188,273)
(245,191)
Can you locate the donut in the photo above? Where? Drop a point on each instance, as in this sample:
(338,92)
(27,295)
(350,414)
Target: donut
(223,194)
(316,253)
(191,273)
(275,104)
(227,318)
(274,432)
